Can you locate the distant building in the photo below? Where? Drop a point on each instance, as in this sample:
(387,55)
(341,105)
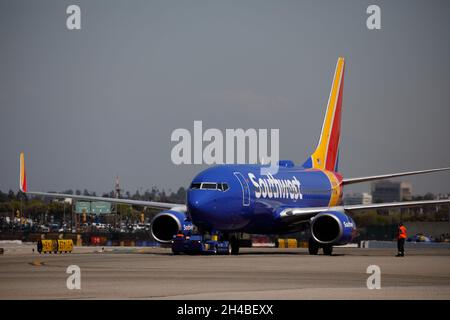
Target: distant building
(391,191)
(358,198)
(406,191)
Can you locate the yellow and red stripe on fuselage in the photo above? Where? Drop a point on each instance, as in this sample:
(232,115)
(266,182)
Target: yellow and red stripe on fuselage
(336,188)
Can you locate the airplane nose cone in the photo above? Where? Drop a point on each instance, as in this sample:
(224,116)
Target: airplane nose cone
(207,211)
(200,201)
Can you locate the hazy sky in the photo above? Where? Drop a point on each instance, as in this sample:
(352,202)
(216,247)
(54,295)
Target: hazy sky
(87,105)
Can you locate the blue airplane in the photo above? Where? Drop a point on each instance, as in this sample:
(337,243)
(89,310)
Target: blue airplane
(227,200)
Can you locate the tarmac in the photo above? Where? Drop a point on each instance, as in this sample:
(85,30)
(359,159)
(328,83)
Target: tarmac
(255,274)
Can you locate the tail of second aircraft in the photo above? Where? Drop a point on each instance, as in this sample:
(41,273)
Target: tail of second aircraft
(325,157)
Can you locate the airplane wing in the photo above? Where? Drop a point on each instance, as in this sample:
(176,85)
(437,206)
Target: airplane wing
(404,204)
(391,175)
(301,215)
(150,204)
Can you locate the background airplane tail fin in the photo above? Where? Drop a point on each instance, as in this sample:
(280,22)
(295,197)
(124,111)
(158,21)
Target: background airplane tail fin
(23,176)
(325,157)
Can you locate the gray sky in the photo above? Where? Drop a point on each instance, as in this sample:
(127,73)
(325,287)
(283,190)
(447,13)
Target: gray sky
(87,105)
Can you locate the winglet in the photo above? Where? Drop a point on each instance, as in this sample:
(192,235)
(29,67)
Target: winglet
(23,176)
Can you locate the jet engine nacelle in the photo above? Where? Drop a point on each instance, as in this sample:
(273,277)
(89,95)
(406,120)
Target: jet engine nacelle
(333,227)
(167,223)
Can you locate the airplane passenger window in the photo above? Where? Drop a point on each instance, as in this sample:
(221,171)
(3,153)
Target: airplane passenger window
(207,185)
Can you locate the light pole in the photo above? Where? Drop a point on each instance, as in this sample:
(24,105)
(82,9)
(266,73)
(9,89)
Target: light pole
(20,213)
(64,214)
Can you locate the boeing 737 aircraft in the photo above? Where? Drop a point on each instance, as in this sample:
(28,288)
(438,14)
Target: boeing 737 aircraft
(227,200)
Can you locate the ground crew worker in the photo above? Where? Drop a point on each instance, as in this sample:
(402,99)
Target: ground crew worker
(401,238)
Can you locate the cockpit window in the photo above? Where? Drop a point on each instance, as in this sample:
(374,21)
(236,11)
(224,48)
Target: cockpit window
(223,186)
(209,185)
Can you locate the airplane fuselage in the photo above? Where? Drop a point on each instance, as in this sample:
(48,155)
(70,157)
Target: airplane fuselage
(244,200)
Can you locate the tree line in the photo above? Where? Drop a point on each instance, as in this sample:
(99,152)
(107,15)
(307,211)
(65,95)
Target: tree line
(11,202)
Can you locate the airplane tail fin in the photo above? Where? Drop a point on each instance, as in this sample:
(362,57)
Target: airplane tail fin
(325,157)
(23,176)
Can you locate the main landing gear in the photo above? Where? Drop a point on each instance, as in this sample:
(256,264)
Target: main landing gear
(314,246)
(234,242)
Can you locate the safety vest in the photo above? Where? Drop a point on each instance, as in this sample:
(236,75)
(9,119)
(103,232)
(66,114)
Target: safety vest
(402,232)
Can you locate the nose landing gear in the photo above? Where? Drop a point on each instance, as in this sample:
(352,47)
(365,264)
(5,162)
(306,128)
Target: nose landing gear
(234,242)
